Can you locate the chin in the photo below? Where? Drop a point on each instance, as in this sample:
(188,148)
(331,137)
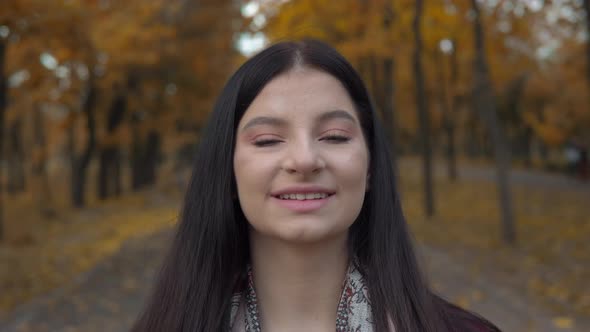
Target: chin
(308,234)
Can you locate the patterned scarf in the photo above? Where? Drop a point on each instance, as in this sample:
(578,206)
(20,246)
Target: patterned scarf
(354,310)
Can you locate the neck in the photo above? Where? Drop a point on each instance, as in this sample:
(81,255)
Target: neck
(298,285)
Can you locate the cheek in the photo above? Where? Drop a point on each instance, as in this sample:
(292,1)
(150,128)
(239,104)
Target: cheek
(353,169)
(252,172)
(242,167)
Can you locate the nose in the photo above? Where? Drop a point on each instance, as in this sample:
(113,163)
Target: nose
(303,157)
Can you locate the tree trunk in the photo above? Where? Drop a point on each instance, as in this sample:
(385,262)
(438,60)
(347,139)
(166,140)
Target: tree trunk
(111,160)
(455,100)
(423,116)
(136,152)
(102,175)
(109,173)
(152,152)
(39,162)
(512,115)
(527,142)
(3,102)
(15,158)
(109,179)
(486,106)
(587,9)
(144,160)
(446,113)
(80,164)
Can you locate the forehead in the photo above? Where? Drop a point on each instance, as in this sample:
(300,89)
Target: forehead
(301,94)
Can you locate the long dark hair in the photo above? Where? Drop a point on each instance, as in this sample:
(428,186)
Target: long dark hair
(211,247)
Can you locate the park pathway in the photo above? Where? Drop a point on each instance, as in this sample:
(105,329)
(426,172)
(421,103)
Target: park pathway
(109,297)
(522,177)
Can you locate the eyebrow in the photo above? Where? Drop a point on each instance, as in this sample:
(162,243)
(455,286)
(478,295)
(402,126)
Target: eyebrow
(336,114)
(277,122)
(264,120)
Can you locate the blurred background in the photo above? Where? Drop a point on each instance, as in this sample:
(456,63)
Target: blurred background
(485,103)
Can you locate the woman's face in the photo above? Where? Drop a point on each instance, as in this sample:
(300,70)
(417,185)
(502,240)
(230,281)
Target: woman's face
(301,161)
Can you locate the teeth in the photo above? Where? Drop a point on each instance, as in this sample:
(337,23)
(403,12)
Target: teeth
(301,197)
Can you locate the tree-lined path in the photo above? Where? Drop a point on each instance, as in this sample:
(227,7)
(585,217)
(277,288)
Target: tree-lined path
(109,296)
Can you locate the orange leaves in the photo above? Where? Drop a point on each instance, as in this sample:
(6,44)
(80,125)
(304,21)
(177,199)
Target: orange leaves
(555,127)
(200,65)
(563,322)
(297,19)
(130,34)
(516,39)
(552,135)
(556,103)
(49,255)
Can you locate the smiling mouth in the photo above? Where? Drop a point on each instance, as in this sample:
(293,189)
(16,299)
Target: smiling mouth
(303,197)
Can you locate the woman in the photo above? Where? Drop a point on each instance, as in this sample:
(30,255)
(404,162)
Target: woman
(292,221)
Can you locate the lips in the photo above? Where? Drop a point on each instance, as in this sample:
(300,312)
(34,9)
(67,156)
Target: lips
(302,192)
(303,199)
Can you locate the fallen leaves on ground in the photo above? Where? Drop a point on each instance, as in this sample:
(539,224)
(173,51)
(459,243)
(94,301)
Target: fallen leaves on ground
(60,250)
(563,322)
(550,263)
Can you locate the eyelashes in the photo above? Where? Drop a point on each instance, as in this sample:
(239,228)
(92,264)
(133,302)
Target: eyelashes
(335,138)
(330,138)
(266,142)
